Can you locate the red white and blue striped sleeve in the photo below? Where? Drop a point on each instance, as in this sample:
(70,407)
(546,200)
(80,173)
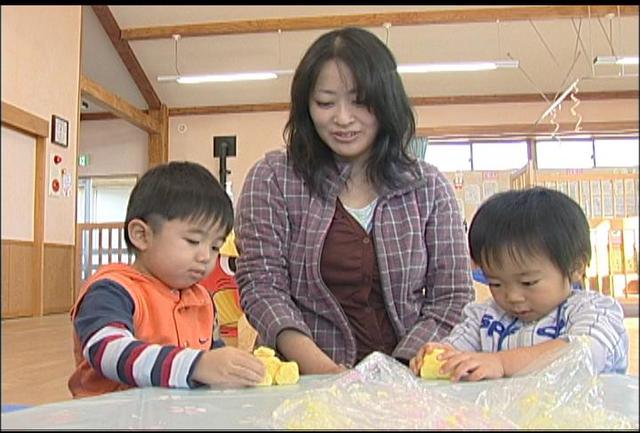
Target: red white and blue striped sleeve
(116,354)
(104,324)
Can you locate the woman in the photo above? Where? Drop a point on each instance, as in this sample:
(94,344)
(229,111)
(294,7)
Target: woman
(347,244)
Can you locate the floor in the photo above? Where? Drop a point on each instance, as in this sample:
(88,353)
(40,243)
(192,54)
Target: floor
(37,358)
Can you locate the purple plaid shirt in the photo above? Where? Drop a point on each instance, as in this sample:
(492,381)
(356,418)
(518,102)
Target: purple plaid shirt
(421,251)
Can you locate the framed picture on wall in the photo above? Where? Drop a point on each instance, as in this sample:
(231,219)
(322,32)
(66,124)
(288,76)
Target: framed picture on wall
(59,131)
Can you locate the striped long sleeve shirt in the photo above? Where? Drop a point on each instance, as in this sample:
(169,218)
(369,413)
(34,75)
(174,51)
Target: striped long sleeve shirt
(131,330)
(488,328)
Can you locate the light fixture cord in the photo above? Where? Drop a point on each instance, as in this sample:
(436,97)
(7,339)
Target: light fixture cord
(593,67)
(521,69)
(578,30)
(387,27)
(606,36)
(279,48)
(499,40)
(620,50)
(544,43)
(176,38)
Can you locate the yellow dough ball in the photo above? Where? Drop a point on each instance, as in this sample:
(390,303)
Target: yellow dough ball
(264,352)
(278,372)
(267,380)
(431,366)
(288,373)
(272,364)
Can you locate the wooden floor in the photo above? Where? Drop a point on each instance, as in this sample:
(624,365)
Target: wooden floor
(37,358)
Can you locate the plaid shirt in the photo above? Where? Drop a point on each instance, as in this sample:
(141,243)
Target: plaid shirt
(421,250)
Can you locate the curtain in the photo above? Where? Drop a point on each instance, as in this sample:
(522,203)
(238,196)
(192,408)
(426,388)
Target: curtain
(418,147)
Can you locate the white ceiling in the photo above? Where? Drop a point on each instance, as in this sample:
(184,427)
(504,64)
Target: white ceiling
(546,50)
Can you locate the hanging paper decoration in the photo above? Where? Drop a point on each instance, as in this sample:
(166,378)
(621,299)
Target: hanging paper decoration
(552,120)
(576,101)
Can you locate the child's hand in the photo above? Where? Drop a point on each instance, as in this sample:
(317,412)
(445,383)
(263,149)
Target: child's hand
(228,366)
(472,366)
(416,362)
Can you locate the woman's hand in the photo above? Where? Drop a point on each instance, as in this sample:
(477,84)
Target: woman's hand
(295,346)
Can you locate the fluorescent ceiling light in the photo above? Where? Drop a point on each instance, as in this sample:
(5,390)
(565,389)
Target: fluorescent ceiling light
(416,68)
(219,78)
(614,60)
(456,67)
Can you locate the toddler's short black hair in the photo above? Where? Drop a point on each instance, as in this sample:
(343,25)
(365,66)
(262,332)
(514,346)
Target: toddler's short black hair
(179,190)
(533,221)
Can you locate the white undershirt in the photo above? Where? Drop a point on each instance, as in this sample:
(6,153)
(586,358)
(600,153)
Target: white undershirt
(364,215)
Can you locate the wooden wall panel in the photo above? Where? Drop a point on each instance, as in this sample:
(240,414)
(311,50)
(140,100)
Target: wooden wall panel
(17,278)
(4,259)
(58,278)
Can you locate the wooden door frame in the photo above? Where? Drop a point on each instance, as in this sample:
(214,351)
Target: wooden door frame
(37,127)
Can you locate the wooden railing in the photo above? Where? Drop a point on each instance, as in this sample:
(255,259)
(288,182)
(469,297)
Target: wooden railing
(99,244)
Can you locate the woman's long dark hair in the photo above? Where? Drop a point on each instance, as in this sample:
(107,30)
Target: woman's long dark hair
(378,86)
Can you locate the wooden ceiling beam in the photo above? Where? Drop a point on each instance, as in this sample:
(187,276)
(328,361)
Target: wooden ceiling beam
(417,101)
(104,15)
(450,16)
(116,105)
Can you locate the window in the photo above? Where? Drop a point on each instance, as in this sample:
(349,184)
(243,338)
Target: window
(564,153)
(499,155)
(449,156)
(616,152)
(104,199)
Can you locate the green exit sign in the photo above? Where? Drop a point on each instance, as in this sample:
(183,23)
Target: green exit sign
(83,159)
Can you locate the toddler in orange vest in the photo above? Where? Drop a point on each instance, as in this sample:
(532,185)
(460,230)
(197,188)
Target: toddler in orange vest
(151,323)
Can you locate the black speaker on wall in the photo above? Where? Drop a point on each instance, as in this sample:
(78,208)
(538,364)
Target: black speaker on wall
(224,146)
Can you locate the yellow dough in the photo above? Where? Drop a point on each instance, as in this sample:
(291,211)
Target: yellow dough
(267,380)
(431,366)
(288,373)
(264,352)
(278,372)
(272,364)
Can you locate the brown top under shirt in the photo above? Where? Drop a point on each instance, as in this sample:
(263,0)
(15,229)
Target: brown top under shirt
(350,271)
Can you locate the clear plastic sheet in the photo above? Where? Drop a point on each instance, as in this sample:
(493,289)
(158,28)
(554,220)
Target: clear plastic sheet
(561,391)
(381,393)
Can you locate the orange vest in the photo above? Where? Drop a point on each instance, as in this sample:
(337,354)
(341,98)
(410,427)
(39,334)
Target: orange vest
(161,316)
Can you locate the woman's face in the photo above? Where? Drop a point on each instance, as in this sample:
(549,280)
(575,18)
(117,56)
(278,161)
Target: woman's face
(343,123)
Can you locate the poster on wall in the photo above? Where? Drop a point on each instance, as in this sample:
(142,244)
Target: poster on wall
(630,198)
(562,187)
(607,206)
(607,198)
(472,194)
(574,190)
(67,182)
(596,206)
(584,191)
(489,188)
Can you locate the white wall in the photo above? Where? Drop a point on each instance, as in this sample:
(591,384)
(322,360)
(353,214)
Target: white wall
(41,75)
(18,186)
(115,147)
(256,133)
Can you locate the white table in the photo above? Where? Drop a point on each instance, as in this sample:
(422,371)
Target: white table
(247,408)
